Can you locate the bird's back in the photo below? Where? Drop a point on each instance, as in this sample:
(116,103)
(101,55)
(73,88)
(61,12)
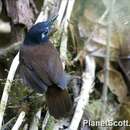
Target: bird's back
(42,63)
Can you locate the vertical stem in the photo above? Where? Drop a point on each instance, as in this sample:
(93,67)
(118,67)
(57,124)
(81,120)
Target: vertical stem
(64,39)
(61,12)
(107,63)
(44,123)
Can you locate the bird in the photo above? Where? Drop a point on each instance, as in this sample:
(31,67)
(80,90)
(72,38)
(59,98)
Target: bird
(41,69)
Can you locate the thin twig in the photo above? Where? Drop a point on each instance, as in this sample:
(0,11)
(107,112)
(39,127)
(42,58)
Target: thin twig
(14,46)
(101,20)
(9,124)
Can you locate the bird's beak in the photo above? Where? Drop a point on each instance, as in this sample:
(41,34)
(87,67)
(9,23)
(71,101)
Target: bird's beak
(52,20)
(50,23)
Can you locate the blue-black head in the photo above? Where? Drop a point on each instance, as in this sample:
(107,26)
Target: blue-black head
(39,33)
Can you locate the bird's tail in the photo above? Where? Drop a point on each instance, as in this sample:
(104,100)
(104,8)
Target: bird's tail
(58,101)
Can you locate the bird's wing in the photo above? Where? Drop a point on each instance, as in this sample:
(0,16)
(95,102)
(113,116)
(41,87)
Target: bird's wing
(30,79)
(41,65)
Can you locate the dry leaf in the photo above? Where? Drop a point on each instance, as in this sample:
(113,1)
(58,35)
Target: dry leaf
(116,84)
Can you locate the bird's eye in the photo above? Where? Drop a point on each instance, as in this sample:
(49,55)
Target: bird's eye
(43,35)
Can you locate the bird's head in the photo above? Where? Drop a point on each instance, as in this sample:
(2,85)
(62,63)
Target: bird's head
(39,32)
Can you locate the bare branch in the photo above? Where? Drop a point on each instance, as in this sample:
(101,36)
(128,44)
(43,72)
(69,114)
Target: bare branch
(61,11)
(7,87)
(19,121)
(88,83)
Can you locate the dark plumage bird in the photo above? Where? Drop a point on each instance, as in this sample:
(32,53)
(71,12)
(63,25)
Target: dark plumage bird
(41,69)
